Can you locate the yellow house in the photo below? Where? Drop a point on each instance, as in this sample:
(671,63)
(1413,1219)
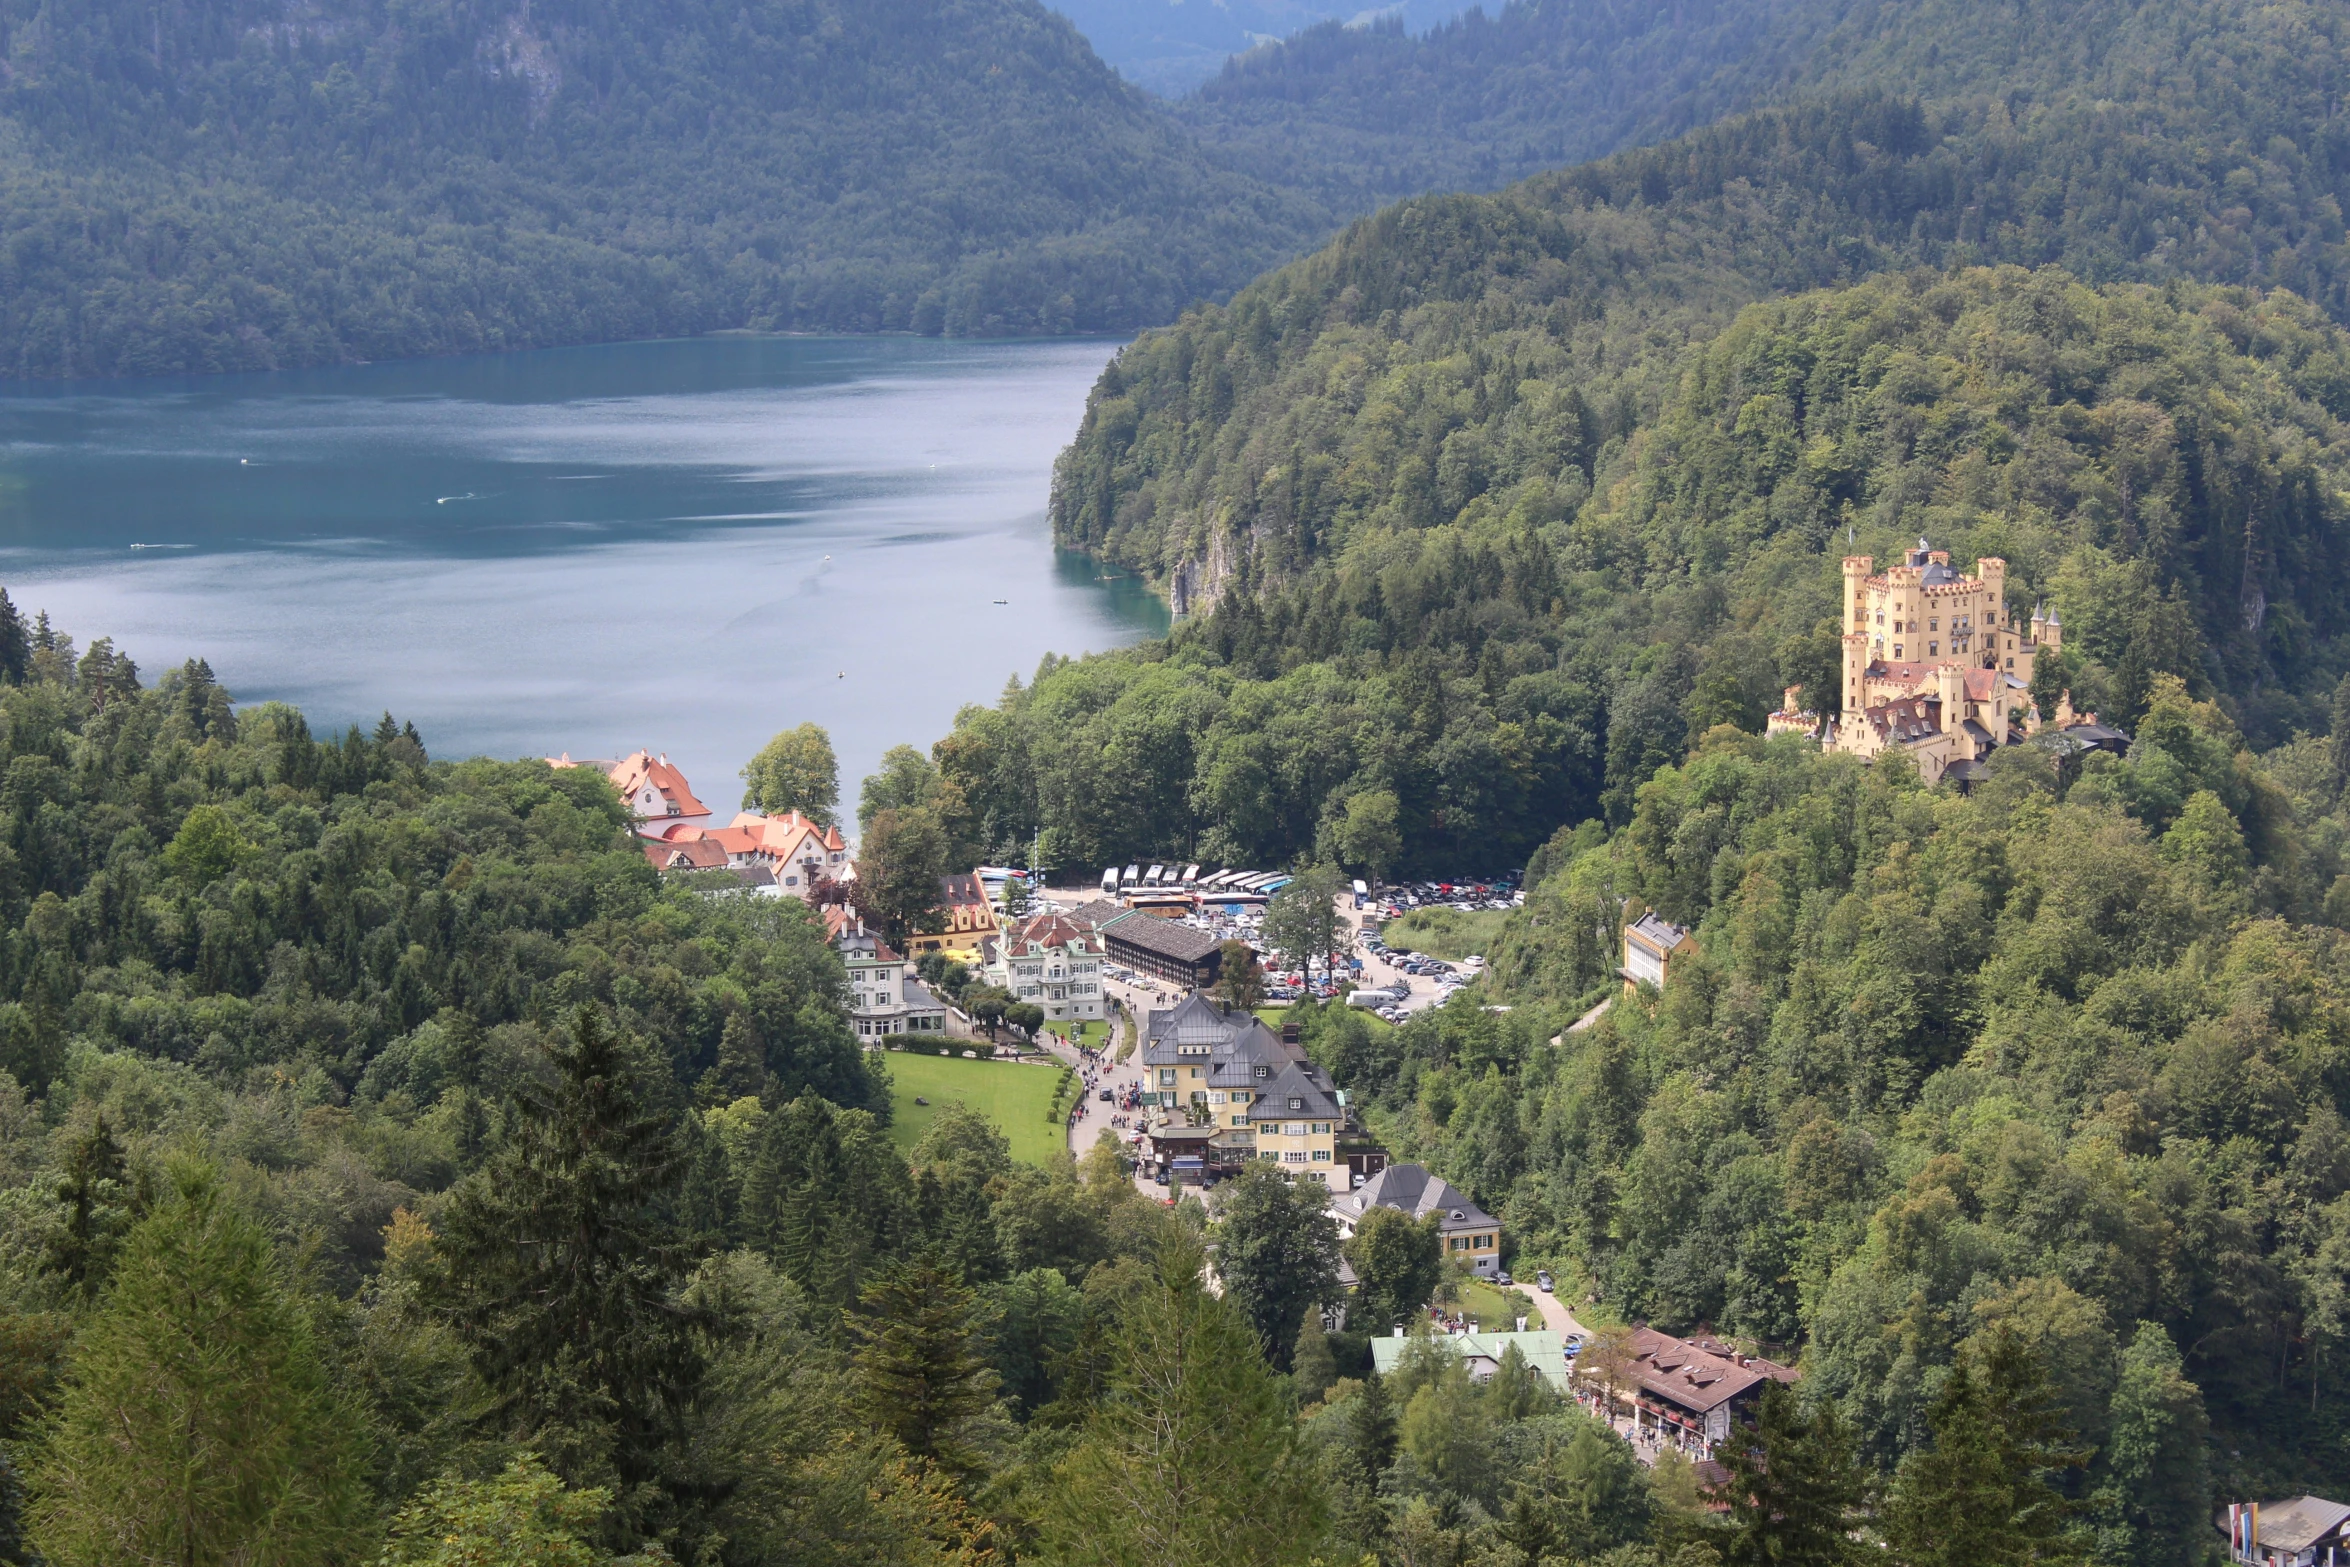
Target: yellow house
(1262,1096)
(967,920)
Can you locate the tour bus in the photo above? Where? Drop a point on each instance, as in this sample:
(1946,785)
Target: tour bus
(1110,882)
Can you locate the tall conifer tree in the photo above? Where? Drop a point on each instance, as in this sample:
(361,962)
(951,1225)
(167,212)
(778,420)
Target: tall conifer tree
(556,1262)
(197,1426)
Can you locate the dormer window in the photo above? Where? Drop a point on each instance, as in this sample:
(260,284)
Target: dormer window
(1296,1103)
(1264,1071)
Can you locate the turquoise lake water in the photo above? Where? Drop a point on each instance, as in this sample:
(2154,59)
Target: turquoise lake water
(683,545)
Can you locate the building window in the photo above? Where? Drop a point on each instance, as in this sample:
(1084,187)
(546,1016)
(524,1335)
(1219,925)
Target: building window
(1321,1156)
(1933,649)
(1167,1078)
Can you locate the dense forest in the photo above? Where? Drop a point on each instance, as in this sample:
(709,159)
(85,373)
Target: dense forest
(243,184)
(391,1169)
(2065,1057)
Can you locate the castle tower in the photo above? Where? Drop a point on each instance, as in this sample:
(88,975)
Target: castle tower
(1950,688)
(1856,640)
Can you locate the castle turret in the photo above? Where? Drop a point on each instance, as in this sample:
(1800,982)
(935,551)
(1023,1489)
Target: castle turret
(2050,635)
(1950,689)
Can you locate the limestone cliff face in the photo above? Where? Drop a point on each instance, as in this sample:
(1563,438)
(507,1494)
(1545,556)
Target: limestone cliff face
(1196,583)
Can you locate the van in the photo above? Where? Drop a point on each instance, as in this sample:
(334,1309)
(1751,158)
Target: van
(1373,999)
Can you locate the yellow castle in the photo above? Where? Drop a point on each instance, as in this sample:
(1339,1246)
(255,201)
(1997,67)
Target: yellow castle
(1934,664)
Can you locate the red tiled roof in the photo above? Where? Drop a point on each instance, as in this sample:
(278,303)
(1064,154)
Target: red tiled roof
(697,854)
(632,773)
(1697,1374)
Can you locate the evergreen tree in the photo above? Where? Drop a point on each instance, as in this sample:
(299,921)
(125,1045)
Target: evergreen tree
(1794,1486)
(1371,1431)
(1980,1495)
(1192,1459)
(741,1071)
(197,1426)
(555,1265)
(94,1189)
(1313,1368)
(2338,741)
(16,647)
(1277,1252)
(923,1378)
(15,1549)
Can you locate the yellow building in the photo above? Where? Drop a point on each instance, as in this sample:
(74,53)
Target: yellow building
(967,920)
(1935,664)
(1260,1093)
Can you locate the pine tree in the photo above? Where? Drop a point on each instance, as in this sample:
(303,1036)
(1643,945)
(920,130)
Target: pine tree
(16,648)
(15,1549)
(2338,742)
(555,1265)
(1371,1434)
(1793,1488)
(1192,1460)
(197,1425)
(1979,1496)
(918,1361)
(1313,1368)
(741,1072)
(94,1189)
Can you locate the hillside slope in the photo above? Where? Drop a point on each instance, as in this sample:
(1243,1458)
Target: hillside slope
(2183,149)
(245,183)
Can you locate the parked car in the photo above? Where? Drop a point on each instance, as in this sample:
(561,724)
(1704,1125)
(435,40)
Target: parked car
(1503,1279)
(1543,1281)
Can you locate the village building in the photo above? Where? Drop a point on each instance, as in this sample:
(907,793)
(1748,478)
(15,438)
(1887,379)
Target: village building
(1182,955)
(655,792)
(1686,1393)
(801,855)
(1935,665)
(1468,1233)
(885,996)
(1050,961)
(1230,1089)
(2307,1531)
(966,918)
(1651,947)
(1483,1353)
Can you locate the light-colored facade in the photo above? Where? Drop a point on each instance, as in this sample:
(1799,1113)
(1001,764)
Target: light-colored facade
(1469,1233)
(1935,665)
(885,997)
(967,918)
(1259,1093)
(1051,961)
(1651,947)
(656,793)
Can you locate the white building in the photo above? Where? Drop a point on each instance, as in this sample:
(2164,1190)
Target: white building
(885,997)
(1051,961)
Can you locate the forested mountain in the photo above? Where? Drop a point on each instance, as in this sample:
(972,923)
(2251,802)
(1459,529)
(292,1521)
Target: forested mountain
(1170,46)
(245,183)
(1368,113)
(1482,439)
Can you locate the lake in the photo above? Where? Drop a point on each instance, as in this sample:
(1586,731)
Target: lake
(685,546)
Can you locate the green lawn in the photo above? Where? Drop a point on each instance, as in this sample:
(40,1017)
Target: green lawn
(1015,1097)
(1450,934)
(1495,1307)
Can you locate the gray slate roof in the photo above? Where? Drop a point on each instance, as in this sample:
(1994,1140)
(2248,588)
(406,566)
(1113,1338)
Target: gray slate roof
(1418,1191)
(1183,943)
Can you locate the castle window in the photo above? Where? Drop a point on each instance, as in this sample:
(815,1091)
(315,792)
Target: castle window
(1933,650)
(1935,624)
(1896,650)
